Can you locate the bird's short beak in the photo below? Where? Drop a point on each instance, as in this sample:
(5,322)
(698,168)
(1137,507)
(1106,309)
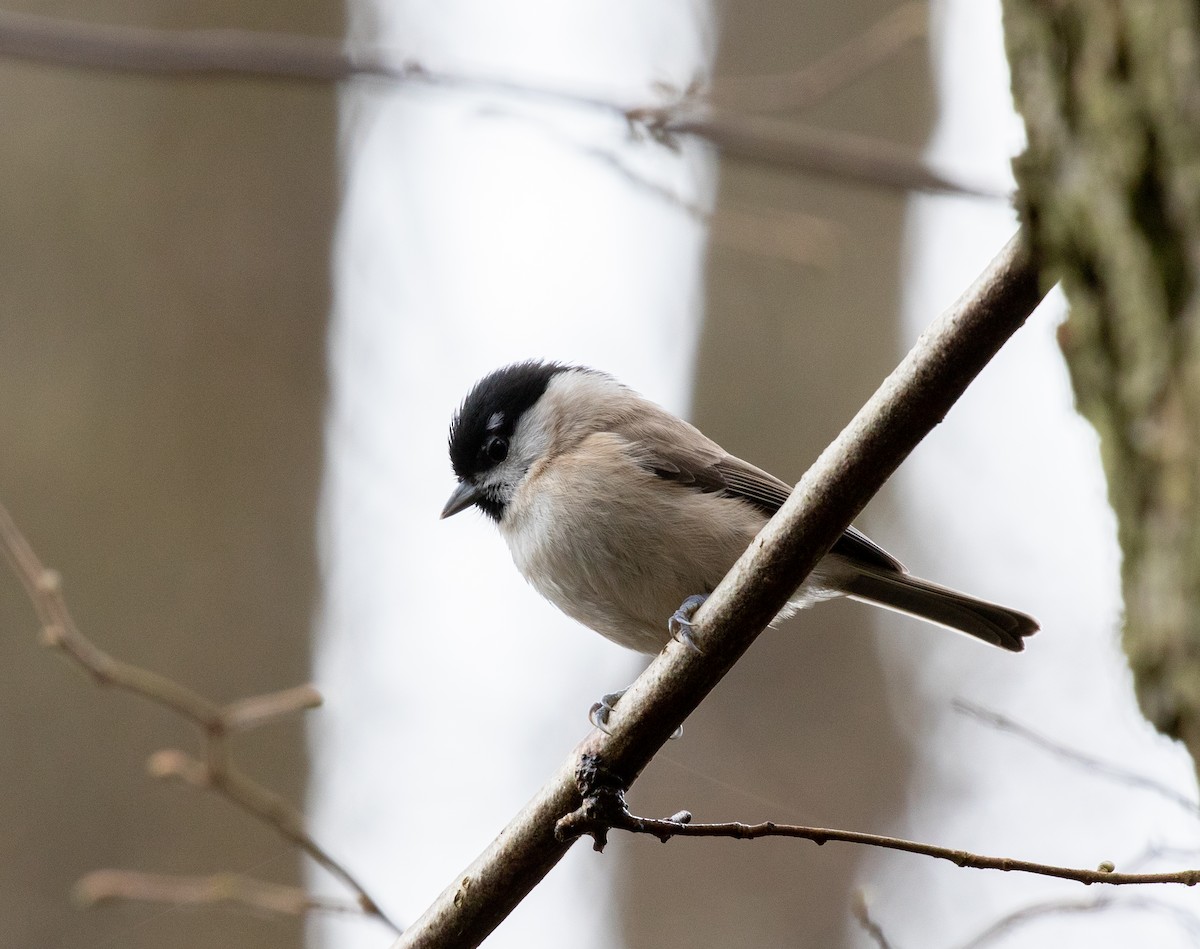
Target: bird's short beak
(463,497)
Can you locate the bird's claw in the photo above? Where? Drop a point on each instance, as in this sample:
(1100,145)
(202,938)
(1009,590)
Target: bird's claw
(680,624)
(599,713)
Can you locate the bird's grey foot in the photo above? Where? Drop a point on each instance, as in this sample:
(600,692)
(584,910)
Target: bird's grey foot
(680,624)
(600,712)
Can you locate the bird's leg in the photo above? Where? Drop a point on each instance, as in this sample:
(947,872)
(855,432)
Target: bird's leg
(599,713)
(680,624)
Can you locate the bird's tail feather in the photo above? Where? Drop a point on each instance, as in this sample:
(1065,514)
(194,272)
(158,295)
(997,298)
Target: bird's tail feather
(904,593)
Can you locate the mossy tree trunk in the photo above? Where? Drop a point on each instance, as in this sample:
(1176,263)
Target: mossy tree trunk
(1110,190)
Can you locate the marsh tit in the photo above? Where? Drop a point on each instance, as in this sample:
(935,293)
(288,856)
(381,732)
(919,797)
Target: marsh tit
(626,517)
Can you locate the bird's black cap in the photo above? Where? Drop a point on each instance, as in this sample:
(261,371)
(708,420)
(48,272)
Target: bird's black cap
(493,407)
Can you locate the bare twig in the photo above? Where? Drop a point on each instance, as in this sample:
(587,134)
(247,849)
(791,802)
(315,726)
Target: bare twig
(1028,914)
(216,722)
(862,915)
(834,71)
(1156,852)
(790,236)
(1097,766)
(259,710)
(914,399)
(606,811)
(242,54)
(106,885)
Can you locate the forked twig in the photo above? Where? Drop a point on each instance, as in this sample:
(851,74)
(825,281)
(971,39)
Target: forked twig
(216,722)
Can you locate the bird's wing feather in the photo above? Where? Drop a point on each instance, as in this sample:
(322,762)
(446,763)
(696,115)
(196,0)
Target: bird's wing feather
(705,466)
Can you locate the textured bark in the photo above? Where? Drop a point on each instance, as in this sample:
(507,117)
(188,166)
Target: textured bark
(1110,190)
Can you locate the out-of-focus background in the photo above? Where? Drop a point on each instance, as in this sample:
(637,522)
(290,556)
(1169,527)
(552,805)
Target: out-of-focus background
(163,313)
(235,318)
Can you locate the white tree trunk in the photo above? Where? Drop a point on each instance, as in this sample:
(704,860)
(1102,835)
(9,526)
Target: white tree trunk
(480,229)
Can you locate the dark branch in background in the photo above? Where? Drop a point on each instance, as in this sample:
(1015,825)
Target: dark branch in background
(911,401)
(1097,766)
(858,159)
(256,55)
(216,723)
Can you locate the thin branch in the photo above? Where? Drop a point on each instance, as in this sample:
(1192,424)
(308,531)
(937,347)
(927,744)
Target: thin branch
(911,401)
(44,588)
(257,55)
(789,236)
(216,771)
(259,710)
(254,798)
(1097,766)
(1156,852)
(104,886)
(862,916)
(606,811)
(1008,924)
(837,69)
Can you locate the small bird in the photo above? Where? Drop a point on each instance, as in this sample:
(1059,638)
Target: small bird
(626,517)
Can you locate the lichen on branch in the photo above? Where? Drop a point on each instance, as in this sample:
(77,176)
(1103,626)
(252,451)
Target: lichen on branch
(1110,193)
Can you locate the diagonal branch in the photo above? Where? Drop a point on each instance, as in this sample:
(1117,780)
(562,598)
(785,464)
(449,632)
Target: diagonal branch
(911,401)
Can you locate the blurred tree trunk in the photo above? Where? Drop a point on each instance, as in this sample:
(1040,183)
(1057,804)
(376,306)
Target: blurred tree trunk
(791,349)
(162,320)
(1110,188)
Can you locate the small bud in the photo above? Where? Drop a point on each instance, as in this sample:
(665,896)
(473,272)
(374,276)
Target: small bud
(1107,867)
(49,582)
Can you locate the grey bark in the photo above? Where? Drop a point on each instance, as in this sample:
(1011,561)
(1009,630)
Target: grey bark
(1110,191)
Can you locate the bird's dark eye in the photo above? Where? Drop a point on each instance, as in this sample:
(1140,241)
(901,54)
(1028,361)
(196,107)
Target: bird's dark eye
(496,448)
